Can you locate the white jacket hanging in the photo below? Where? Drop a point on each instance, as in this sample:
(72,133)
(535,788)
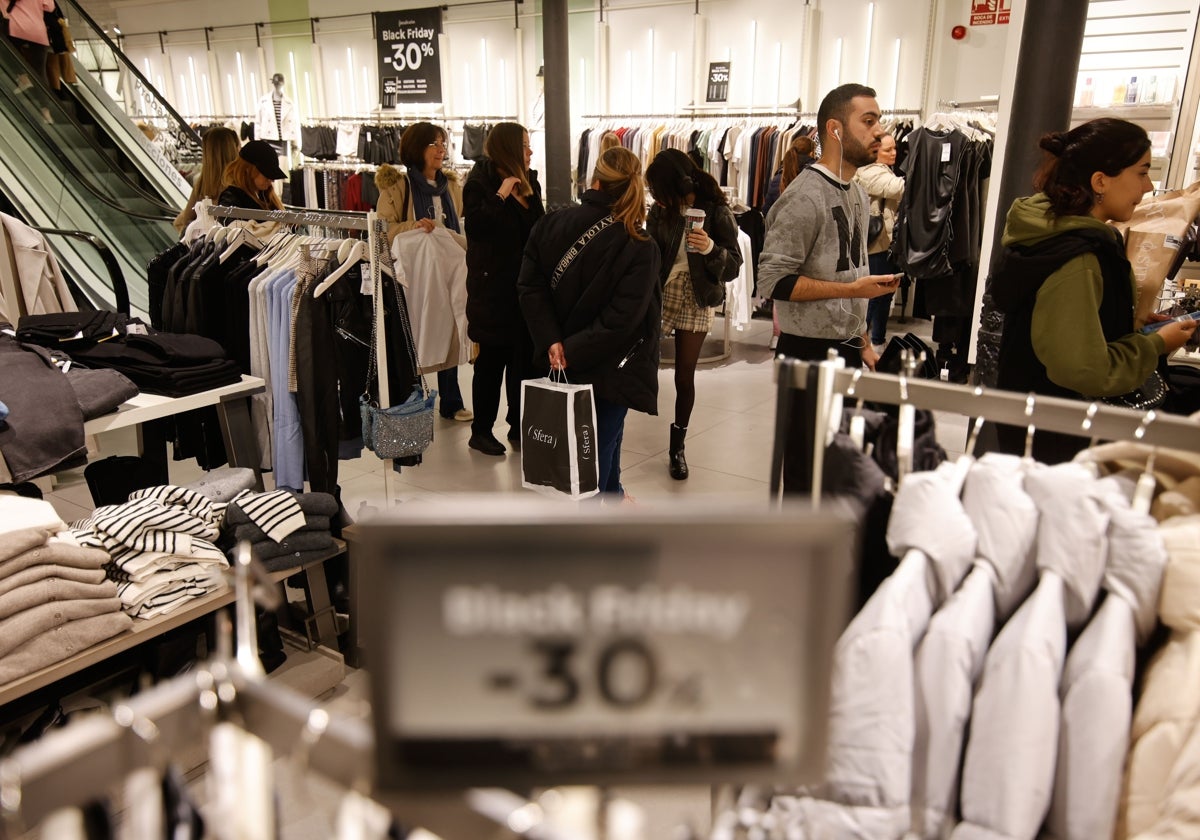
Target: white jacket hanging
(434,268)
(31,283)
(868,774)
(265,127)
(951,656)
(1008,767)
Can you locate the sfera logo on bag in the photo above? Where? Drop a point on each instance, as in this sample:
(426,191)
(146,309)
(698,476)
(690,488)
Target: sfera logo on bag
(585,441)
(543,437)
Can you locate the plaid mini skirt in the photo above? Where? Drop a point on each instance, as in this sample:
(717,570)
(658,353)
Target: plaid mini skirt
(679,309)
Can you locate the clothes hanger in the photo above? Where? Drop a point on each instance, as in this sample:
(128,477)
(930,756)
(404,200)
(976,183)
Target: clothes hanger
(1147,483)
(351,253)
(1030,429)
(240,237)
(908,415)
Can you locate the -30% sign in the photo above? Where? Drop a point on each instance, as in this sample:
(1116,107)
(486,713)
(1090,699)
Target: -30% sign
(409,56)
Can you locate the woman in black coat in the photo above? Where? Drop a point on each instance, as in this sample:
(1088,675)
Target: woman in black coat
(501,203)
(694,271)
(599,319)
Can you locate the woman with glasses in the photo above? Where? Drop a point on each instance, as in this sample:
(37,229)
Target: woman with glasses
(429,196)
(502,201)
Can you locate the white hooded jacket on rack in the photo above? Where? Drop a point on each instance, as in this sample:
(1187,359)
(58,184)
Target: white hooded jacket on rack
(1008,768)
(951,656)
(871,727)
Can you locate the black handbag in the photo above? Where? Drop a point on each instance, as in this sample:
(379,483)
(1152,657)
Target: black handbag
(874,227)
(1151,394)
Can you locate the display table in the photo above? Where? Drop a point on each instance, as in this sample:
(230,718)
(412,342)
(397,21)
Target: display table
(232,403)
(146,629)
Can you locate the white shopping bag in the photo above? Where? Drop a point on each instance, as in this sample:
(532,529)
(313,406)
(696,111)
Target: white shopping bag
(558,439)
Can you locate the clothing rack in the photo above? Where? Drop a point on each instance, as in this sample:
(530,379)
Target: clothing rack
(711,116)
(972,104)
(1054,414)
(338,166)
(370,222)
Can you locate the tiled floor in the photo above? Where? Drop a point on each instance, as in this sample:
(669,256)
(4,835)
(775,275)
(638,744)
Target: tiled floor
(728,452)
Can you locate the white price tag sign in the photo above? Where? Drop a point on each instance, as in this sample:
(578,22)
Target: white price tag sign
(519,645)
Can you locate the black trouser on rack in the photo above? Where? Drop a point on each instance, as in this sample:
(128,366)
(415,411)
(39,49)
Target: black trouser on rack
(511,362)
(797,456)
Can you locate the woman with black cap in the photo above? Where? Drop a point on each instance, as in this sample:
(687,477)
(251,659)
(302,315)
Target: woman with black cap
(250,183)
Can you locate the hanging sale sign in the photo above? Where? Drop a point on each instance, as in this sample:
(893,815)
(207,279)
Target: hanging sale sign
(987,12)
(410,68)
(718,82)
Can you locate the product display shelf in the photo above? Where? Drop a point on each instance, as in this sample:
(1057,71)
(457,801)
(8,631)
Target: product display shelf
(143,631)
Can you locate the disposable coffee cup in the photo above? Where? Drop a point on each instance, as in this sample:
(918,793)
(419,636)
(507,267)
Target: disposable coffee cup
(693,219)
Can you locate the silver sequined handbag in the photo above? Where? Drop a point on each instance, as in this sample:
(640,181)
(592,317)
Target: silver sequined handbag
(404,430)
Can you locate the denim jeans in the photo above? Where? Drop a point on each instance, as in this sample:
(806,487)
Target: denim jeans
(610,430)
(449,395)
(879,308)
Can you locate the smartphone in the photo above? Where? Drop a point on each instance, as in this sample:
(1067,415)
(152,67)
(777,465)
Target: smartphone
(1158,325)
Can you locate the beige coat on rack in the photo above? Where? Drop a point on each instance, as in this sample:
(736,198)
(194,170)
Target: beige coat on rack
(395,198)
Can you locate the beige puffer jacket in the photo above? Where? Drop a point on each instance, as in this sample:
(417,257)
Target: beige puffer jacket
(1162,775)
(395,204)
(884,188)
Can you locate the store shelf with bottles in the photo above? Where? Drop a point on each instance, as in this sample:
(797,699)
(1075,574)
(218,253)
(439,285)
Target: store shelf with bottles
(1125,94)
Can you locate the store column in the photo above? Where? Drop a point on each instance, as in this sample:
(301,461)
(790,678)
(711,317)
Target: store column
(1043,96)
(557,88)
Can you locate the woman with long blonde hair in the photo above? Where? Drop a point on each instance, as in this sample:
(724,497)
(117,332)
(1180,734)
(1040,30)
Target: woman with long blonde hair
(599,319)
(219,147)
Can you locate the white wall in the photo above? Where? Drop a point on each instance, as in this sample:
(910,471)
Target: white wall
(780,50)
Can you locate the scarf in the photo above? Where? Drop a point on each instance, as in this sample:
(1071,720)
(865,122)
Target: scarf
(422,199)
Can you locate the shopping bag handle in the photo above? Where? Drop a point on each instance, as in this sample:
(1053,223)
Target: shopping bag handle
(562,374)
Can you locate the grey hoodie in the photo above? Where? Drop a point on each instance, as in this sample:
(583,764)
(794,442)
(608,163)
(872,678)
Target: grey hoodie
(818,229)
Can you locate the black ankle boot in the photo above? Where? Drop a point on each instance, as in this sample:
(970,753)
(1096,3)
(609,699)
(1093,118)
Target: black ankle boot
(679,467)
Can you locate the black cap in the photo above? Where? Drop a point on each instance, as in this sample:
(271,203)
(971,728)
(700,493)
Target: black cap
(262,155)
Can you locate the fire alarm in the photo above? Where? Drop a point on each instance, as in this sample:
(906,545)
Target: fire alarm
(958,33)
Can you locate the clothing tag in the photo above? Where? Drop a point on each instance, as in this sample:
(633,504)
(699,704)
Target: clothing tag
(12,333)
(858,429)
(945,153)
(1173,242)
(66,365)
(365,287)
(135,329)
(944,373)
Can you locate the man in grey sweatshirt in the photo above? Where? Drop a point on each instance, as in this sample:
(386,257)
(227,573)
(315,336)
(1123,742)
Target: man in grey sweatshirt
(814,260)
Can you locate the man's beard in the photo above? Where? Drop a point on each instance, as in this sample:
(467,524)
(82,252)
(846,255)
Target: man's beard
(856,154)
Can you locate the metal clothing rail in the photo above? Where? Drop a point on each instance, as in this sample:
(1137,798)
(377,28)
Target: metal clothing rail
(705,115)
(1054,414)
(370,222)
(973,104)
(319,218)
(78,764)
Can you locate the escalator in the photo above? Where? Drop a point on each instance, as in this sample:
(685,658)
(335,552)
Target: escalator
(77,163)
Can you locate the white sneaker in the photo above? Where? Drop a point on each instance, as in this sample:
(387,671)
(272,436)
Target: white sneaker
(773,343)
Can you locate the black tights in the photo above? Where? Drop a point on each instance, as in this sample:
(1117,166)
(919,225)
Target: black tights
(687,354)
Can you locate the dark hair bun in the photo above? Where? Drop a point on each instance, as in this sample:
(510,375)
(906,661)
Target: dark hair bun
(1055,143)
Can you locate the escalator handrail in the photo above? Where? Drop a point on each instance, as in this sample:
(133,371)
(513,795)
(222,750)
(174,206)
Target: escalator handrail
(120,290)
(137,74)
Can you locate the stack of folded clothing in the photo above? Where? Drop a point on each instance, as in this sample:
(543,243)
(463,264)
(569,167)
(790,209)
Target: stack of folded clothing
(161,544)
(54,598)
(284,529)
(171,364)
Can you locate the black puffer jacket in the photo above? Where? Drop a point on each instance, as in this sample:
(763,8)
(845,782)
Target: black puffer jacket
(496,234)
(710,272)
(606,309)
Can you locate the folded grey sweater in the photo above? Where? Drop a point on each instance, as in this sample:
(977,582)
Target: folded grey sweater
(23,626)
(63,641)
(252,533)
(50,570)
(62,554)
(50,590)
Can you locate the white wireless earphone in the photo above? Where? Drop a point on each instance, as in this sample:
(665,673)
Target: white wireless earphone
(837,133)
